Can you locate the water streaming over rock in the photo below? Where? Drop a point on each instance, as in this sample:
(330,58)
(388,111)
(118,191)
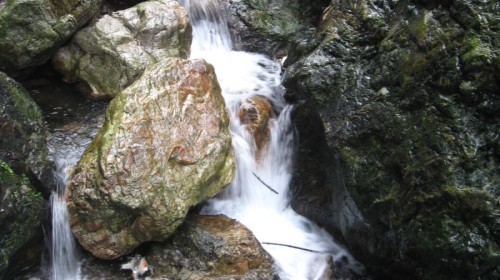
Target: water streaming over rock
(71,132)
(64,261)
(259,195)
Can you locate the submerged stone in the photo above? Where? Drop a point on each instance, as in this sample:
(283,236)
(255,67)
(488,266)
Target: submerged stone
(254,114)
(164,147)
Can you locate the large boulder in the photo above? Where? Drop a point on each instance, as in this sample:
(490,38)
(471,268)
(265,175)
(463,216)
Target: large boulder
(408,94)
(164,147)
(21,214)
(211,247)
(114,51)
(31,31)
(23,135)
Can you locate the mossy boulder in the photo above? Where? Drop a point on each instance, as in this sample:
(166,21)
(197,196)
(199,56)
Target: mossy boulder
(164,147)
(407,94)
(21,214)
(31,31)
(114,51)
(23,132)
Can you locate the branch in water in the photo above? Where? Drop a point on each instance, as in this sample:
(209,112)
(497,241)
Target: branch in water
(264,183)
(291,246)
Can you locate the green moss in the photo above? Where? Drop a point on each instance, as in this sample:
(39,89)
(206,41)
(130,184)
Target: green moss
(20,188)
(413,62)
(22,100)
(419,27)
(21,215)
(477,54)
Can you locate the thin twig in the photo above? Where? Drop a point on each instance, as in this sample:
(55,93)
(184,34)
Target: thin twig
(264,183)
(291,246)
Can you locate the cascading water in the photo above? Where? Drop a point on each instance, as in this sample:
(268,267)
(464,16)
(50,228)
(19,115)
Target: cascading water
(259,195)
(66,144)
(64,261)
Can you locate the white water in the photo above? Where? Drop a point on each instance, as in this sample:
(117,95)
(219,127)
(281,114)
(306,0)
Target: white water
(66,145)
(266,214)
(64,260)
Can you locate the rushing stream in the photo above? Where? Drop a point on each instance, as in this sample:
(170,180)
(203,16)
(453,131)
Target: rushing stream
(259,195)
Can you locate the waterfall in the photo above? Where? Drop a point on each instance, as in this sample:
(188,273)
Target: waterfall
(66,144)
(259,196)
(64,261)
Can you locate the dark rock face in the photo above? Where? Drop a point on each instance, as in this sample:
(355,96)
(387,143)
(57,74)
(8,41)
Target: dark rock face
(408,94)
(272,27)
(21,213)
(22,135)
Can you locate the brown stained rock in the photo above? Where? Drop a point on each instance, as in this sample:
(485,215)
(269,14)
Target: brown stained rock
(211,247)
(255,114)
(163,148)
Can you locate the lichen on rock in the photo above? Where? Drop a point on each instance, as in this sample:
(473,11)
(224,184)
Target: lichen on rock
(164,147)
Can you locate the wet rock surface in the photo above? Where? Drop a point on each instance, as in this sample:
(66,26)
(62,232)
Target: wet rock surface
(111,53)
(211,247)
(23,132)
(203,247)
(255,114)
(22,210)
(31,31)
(272,27)
(151,161)
(408,94)
(405,173)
